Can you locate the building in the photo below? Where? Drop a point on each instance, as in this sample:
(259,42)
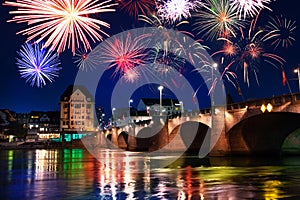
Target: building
(7,119)
(150,106)
(77,107)
(43,125)
(22,118)
(100,115)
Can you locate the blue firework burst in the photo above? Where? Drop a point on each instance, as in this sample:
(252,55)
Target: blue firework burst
(37,64)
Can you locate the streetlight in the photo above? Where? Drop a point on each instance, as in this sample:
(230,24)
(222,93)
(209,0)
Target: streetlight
(160,88)
(113,116)
(129,102)
(297,70)
(263,108)
(269,107)
(214,66)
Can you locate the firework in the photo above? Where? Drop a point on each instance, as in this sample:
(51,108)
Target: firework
(136,7)
(37,65)
(249,8)
(155,21)
(248,51)
(174,10)
(65,23)
(124,53)
(165,56)
(217,19)
(131,75)
(195,51)
(280,31)
(84,61)
(229,75)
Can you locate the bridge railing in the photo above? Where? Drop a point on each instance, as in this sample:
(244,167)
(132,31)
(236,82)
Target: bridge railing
(275,101)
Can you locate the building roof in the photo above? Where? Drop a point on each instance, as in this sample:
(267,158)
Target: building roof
(70,90)
(165,102)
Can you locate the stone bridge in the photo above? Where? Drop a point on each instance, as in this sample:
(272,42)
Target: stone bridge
(246,128)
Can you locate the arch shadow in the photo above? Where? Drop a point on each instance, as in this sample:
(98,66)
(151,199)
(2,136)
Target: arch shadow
(144,139)
(192,140)
(262,134)
(123,140)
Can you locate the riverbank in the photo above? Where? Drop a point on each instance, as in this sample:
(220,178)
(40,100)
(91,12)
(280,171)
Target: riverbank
(77,144)
(41,145)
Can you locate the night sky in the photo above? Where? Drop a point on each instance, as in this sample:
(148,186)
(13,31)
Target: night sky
(19,96)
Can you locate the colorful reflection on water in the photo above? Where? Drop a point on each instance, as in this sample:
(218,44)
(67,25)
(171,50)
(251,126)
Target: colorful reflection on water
(76,174)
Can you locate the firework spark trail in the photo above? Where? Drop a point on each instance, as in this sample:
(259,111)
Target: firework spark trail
(175,10)
(136,7)
(85,61)
(37,65)
(155,21)
(248,50)
(195,51)
(125,54)
(249,8)
(62,23)
(280,31)
(164,57)
(217,19)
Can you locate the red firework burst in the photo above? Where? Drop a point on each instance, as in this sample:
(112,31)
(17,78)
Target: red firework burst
(136,7)
(124,53)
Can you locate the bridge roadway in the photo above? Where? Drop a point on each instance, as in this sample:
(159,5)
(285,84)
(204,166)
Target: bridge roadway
(238,129)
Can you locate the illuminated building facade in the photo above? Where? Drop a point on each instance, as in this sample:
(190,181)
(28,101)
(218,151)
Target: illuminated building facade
(77,109)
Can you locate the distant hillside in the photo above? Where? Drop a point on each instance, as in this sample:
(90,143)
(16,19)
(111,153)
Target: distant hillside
(6,117)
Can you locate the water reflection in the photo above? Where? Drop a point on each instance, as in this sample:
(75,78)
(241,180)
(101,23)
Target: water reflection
(76,174)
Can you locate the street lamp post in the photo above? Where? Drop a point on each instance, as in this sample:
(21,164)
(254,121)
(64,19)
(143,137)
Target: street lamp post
(129,102)
(160,88)
(213,67)
(113,116)
(297,70)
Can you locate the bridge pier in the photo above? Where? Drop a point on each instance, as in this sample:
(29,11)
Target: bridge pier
(160,133)
(114,137)
(219,141)
(132,138)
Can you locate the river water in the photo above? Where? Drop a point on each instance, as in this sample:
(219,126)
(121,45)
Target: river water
(77,174)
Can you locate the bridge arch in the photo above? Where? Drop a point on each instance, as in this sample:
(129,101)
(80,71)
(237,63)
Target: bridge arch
(291,144)
(123,140)
(144,139)
(263,133)
(191,141)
